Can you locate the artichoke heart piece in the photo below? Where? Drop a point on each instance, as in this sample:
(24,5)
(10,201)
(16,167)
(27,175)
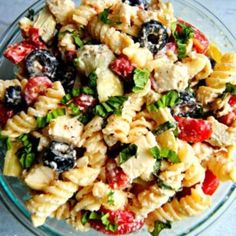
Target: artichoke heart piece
(46,24)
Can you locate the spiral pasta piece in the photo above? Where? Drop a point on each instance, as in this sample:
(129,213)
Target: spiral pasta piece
(139,127)
(90,8)
(43,205)
(92,140)
(175,210)
(117,128)
(49,101)
(22,123)
(154,197)
(222,164)
(223,72)
(108,35)
(4,84)
(194,172)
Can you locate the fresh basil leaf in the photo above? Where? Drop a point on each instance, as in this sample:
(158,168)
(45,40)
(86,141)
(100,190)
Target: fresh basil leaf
(112,106)
(103,16)
(140,79)
(230,88)
(74,109)
(168,100)
(92,80)
(182,34)
(43,121)
(159,226)
(77,39)
(110,197)
(160,154)
(163,185)
(85,218)
(128,152)
(5,145)
(164,127)
(26,154)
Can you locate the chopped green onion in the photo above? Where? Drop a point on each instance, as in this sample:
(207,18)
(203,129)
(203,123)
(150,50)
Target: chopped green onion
(75,110)
(128,152)
(85,218)
(103,16)
(92,80)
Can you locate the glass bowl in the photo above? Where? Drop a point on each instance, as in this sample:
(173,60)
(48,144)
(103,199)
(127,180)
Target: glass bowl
(14,193)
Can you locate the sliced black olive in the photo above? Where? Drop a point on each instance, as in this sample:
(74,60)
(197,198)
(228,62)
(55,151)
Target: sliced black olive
(60,157)
(13,97)
(153,35)
(143,3)
(188,106)
(41,63)
(213,63)
(66,73)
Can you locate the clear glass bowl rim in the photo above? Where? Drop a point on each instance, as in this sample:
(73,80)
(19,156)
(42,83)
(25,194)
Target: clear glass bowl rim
(11,203)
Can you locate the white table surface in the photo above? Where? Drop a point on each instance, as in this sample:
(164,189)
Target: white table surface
(225,10)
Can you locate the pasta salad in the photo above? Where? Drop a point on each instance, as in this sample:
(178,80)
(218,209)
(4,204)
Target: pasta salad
(120,115)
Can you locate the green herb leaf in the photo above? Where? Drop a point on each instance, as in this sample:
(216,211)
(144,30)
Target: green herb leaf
(159,226)
(43,121)
(110,197)
(92,80)
(160,154)
(168,100)
(94,216)
(26,154)
(182,34)
(230,88)
(85,118)
(105,219)
(74,109)
(163,185)
(66,99)
(103,16)
(164,127)
(88,91)
(85,218)
(112,105)
(77,39)
(128,152)
(140,78)
(5,145)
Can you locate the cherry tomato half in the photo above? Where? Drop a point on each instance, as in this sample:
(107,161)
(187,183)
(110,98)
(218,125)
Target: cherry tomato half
(18,52)
(210,183)
(193,130)
(36,86)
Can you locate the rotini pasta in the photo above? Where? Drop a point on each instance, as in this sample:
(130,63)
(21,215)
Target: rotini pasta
(223,72)
(108,35)
(191,205)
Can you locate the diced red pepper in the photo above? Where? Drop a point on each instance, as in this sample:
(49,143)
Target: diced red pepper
(17,52)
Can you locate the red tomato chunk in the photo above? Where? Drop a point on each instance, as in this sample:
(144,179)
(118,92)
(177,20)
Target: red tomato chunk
(193,130)
(124,219)
(35,87)
(210,183)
